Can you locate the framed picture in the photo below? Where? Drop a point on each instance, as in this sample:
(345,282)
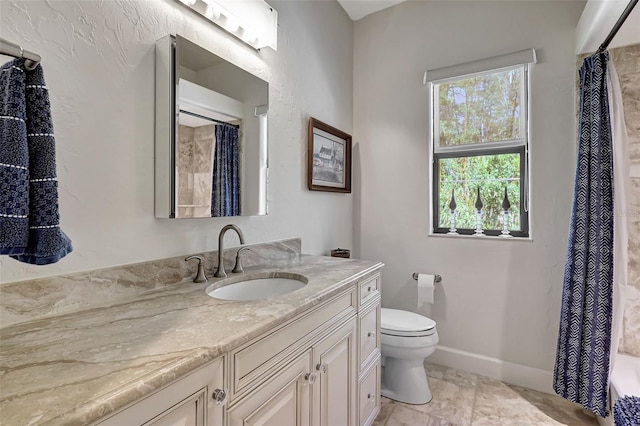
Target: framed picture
(329,158)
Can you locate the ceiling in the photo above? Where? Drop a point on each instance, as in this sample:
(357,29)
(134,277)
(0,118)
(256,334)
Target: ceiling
(598,18)
(358,9)
(628,34)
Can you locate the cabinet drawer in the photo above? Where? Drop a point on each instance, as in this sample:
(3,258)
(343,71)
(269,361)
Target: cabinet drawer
(369,288)
(253,360)
(369,327)
(188,412)
(369,395)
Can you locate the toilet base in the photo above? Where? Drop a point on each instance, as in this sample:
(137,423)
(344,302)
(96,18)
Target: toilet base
(405,380)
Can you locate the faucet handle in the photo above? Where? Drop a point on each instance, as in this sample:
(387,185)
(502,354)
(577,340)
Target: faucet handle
(238,268)
(200,277)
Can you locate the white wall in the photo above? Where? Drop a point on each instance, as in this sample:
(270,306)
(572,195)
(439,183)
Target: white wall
(498,299)
(98,59)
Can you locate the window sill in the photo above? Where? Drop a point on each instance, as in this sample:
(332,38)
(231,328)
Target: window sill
(486,237)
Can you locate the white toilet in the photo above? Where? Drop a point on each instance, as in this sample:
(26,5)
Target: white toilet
(407,339)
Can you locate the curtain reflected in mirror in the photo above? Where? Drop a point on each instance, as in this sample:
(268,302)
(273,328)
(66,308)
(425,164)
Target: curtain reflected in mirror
(208,175)
(225,194)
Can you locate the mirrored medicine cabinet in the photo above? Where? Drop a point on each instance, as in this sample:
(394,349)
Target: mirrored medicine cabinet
(211,134)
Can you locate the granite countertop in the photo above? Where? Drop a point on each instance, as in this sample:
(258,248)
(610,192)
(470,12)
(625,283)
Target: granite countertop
(76,368)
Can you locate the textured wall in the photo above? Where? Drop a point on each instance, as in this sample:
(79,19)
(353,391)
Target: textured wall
(98,58)
(627,63)
(498,299)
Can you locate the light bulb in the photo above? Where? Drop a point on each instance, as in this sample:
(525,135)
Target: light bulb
(212,12)
(232,25)
(249,37)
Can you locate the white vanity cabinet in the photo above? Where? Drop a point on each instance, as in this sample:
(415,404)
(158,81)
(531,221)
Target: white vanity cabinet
(304,372)
(320,368)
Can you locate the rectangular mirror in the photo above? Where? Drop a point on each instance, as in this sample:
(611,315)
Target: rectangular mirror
(211,134)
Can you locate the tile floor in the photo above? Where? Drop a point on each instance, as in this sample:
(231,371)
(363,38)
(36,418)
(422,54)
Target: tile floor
(461,398)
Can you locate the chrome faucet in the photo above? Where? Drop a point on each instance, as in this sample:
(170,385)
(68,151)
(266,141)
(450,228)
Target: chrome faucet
(220,272)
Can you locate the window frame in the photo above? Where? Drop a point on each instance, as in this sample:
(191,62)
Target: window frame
(512,146)
(524,215)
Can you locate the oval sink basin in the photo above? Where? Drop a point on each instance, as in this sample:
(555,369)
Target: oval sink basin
(256,286)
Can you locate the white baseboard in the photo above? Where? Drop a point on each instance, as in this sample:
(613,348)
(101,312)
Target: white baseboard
(494,368)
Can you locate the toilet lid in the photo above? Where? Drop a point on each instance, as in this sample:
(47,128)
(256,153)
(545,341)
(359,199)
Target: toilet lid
(404,323)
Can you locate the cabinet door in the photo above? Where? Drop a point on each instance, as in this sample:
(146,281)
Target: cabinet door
(190,401)
(283,400)
(334,360)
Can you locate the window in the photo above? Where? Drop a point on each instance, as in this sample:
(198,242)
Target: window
(480,145)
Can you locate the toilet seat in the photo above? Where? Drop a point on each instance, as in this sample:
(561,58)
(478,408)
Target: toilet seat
(395,322)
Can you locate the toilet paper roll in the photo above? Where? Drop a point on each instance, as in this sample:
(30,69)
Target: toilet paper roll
(426,284)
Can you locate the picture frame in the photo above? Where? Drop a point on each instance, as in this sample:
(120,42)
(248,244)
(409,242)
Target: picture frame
(329,158)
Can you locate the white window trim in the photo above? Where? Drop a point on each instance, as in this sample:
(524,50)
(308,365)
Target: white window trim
(525,57)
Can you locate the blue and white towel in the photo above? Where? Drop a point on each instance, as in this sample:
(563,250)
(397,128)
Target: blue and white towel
(626,412)
(29,220)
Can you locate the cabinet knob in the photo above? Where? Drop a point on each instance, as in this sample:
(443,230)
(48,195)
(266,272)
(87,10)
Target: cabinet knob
(310,377)
(322,368)
(371,334)
(369,289)
(369,395)
(220,396)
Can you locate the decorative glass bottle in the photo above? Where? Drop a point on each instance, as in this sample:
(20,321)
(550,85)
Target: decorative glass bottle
(506,205)
(478,231)
(452,218)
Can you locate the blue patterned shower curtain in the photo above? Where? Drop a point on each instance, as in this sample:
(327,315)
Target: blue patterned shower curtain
(225,194)
(582,360)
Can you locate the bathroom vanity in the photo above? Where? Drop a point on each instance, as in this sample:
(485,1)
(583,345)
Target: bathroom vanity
(177,356)
(320,368)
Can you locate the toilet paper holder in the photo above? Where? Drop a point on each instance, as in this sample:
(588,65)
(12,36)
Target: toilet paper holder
(436,278)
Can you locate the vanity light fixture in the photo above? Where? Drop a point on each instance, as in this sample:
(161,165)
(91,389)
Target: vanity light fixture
(252,21)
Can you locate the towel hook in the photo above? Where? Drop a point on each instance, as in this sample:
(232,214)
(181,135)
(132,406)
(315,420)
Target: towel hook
(436,278)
